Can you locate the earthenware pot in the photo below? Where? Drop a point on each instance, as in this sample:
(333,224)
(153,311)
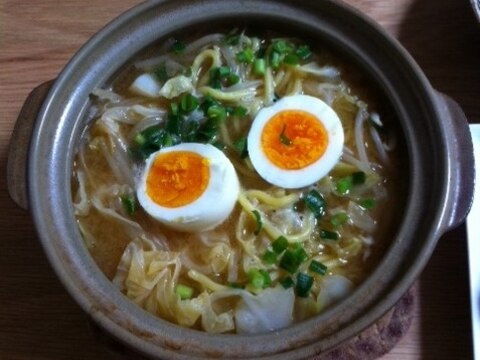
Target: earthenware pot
(435,131)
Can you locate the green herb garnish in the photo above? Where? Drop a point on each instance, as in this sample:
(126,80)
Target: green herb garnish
(283,138)
(316,203)
(339,219)
(330,235)
(317,267)
(241,147)
(184,292)
(178,47)
(246,56)
(280,244)
(286,282)
(259,222)
(128,203)
(304,284)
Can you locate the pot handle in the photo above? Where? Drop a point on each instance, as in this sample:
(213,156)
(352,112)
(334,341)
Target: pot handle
(20,143)
(462,168)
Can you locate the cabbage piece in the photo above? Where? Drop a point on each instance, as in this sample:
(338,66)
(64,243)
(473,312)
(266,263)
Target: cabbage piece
(213,322)
(272,309)
(333,289)
(146,85)
(360,217)
(175,86)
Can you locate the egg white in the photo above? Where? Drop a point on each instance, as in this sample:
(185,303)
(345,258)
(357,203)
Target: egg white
(296,178)
(212,207)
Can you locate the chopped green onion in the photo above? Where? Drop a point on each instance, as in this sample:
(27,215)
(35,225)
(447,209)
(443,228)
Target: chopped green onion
(275,60)
(184,292)
(258,219)
(128,203)
(174,108)
(300,253)
(178,47)
(367,204)
(303,52)
(217,112)
(259,279)
(339,219)
(140,139)
(241,147)
(232,38)
(289,262)
(235,285)
(330,235)
(283,138)
(316,203)
(259,67)
(223,71)
(358,178)
(280,244)
(188,103)
(344,185)
(287,282)
(304,284)
(161,73)
(269,257)
(246,56)
(232,79)
(282,47)
(317,267)
(239,111)
(292,259)
(291,59)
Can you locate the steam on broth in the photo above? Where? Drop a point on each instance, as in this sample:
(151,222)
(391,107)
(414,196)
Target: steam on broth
(246,255)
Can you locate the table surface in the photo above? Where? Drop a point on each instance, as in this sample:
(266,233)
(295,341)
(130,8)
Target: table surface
(39,320)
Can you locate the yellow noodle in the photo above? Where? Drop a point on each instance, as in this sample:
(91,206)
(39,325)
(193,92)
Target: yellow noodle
(205,281)
(275,202)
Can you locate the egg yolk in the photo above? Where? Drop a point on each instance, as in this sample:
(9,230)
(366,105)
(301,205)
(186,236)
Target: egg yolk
(294,139)
(177,178)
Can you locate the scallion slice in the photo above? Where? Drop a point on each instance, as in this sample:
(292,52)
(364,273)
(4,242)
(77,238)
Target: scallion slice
(367,203)
(283,138)
(339,219)
(316,203)
(280,244)
(291,59)
(344,185)
(258,219)
(286,282)
(269,257)
(259,67)
(358,178)
(246,56)
(188,103)
(128,203)
(239,111)
(259,279)
(178,47)
(275,60)
(289,262)
(184,292)
(317,267)
(304,284)
(303,52)
(330,235)
(241,147)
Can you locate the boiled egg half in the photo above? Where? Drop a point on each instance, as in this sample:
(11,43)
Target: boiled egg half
(296,141)
(188,187)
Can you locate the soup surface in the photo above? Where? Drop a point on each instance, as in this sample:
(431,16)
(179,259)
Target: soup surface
(237,182)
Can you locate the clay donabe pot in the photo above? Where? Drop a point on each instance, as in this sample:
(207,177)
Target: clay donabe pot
(435,131)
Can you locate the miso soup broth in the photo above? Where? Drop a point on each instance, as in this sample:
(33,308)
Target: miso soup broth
(238,182)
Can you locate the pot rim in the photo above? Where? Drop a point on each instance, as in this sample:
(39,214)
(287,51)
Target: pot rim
(114,312)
